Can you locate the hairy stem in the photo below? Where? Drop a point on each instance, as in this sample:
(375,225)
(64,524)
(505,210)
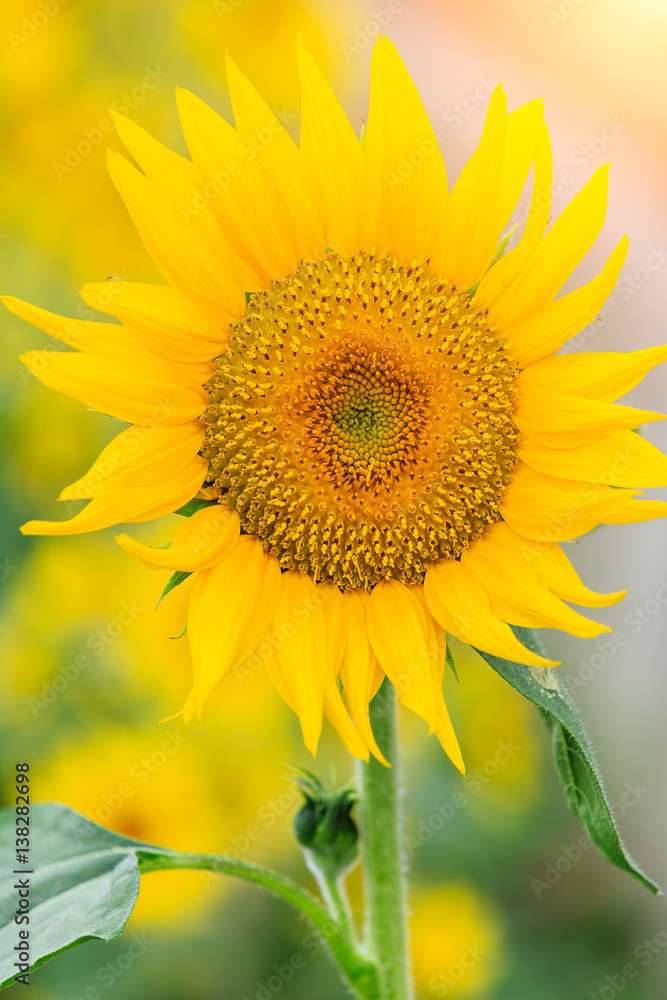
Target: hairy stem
(359,972)
(382,853)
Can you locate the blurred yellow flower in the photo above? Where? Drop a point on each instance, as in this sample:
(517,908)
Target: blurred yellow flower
(156,787)
(81,617)
(456,942)
(173,785)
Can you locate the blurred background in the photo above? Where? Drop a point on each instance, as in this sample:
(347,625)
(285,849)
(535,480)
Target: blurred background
(506,905)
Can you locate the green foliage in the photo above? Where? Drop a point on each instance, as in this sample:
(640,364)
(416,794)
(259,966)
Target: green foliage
(84,882)
(573,754)
(85,885)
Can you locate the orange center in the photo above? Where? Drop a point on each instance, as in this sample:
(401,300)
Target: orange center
(360,421)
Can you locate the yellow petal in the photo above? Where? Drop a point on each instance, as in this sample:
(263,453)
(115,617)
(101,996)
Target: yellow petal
(637,510)
(558,420)
(458,601)
(299,664)
(138,456)
(188,710)
(437,643)
(100,338)
(250,208)
(473,222)
(516,592)
(554,568)
(444,730)
(184,250)
(204,540)
(131,504)
(500,278)
(544,332)
(332,155)
(176,176)
(554,510)
(153,390)
(231,607)
(398,632)
(360,671)
(165,320)
(183,183)
(335,613)
(567,242)
(374,228)
(265,137)
(523,127)
(621,458)
(605,375)
(405,182)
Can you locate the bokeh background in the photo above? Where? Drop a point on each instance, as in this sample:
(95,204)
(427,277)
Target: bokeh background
(505,906)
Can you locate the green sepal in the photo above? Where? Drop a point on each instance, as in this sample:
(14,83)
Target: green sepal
(176,577)
(192,506)
(499,252)
(450,662)
(573,755)
(503,243)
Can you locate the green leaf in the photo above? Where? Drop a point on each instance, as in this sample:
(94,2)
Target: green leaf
(85,882)
(84,886)
(192,506)
(177,577)
(573,754)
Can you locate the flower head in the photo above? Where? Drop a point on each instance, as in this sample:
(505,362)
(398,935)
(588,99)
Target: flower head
(367,405)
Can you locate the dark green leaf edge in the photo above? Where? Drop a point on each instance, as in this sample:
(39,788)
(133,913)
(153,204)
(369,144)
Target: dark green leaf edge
(573,754)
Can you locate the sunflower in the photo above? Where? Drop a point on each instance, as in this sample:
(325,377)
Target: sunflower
(365,402)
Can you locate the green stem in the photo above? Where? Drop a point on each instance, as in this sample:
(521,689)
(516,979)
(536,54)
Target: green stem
(335,896)
(382,850)
(358,970)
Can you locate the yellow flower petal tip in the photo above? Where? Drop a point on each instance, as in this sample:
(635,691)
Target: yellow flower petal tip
(37,527)
(189,708)
(176,715)
(369,407)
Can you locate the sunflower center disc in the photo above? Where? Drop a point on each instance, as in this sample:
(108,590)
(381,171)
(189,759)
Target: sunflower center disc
(360,421)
